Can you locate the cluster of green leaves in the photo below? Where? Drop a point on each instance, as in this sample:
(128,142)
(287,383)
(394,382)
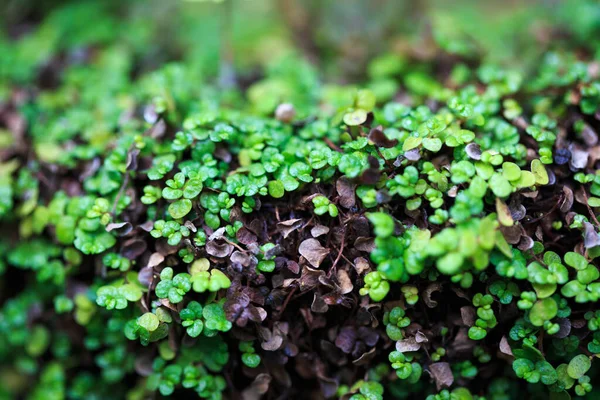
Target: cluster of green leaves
(139,200)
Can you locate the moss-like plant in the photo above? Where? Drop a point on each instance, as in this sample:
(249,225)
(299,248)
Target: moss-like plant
(430,231)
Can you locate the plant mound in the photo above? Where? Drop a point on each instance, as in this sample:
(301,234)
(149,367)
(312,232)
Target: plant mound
(412,238)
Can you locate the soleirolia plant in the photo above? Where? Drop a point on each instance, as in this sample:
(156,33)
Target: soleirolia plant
(428,232)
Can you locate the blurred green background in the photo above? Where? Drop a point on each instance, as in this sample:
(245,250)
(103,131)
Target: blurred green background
(339,37)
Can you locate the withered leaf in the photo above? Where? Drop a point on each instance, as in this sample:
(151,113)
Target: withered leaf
(366,244)
(413,155)
(319,230)
(242,258)
(345,189)
(120,228)
(132,160)
(319,305)
(420,337)
(145,276)
(292,266)
(567,199)
(333,354)
(366,358)
(468,315)
(525,243)
(345,339)
(361,265)
(220,250)
(408,344)
(313,252)
(590,237)
(245,236)
(517,210)
(271,340)
(579,158)
(289,226)
(473,151)
(257,388)
(133,248)
(427,293)
(344,281)
(512,234)
(379,138)
(442,374)
(505,347)
(564,328)
(155,260)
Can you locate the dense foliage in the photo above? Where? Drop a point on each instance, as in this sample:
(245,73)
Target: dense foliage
(428,233)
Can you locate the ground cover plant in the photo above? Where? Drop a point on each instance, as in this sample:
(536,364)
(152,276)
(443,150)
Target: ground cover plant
(428,231)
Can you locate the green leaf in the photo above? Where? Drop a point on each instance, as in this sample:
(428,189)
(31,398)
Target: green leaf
(500,185)
(251,360)
(355,117)
(572,289)
(180,208)
(432,144)
(383,224)
(450,263)
(131,292)
(539,172)
(578,366)
(148,321)
(542,311)
(365,99)
(575,260)
(276,189)
(192,188)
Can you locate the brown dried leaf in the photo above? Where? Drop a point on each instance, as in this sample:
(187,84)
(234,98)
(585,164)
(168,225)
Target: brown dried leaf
(346,190)
(408,344)
(313,252)
(579,158)
(525,243)
(319,305)
(333,354)
(133,248)
(366,244)
(155,260)
(420,337)
(145,276)
(413,155)
(345,339)
(567,202)
(319,230)
(245,236)
(120,228)
(220,250)
(361,265)
(289,226)
(365,358)
(473,151)
(429,290)
(257,388)
(377,136)
(244,259)
(468,315)
(565,328)
(590,237)
(442,374)
(512,234)
(272,341)
(505,347)
(344,281)
(309,278)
